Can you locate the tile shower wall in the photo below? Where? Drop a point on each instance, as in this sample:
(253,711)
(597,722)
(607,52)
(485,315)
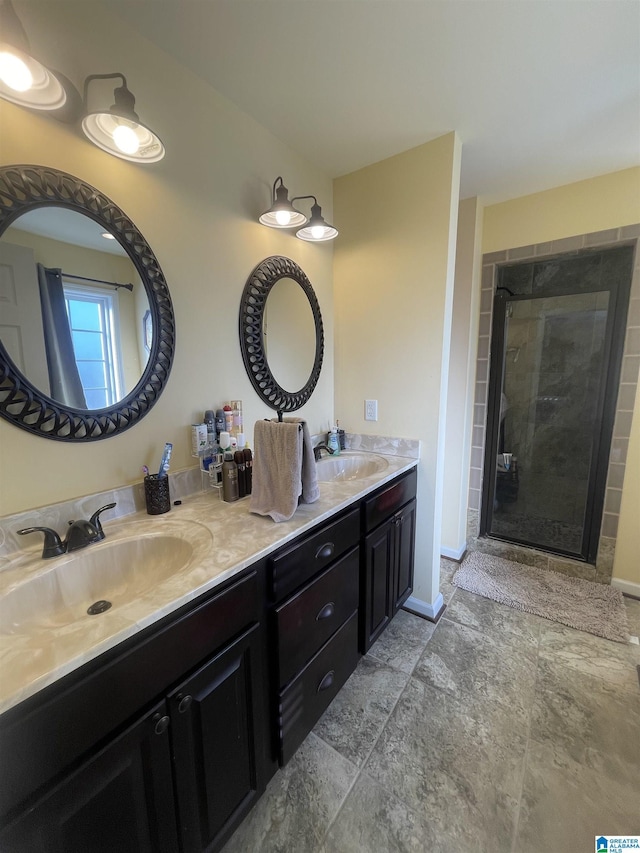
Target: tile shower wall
(624,408)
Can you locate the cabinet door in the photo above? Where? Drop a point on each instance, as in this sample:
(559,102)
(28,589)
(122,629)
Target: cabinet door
(377,586)
(120,799)
(214,717)
(405,535)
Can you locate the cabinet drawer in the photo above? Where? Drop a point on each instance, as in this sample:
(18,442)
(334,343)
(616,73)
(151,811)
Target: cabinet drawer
(381,506)
(302,703)
(306,557)
(306,621)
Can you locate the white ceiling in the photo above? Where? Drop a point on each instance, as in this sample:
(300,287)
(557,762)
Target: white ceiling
(541,92)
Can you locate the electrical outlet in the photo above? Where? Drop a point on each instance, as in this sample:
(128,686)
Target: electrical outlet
(371,410)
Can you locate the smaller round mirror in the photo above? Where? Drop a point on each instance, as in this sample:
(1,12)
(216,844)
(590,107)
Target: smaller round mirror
(281,334)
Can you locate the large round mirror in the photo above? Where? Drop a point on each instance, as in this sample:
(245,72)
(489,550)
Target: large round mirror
(281,334)
(87,330)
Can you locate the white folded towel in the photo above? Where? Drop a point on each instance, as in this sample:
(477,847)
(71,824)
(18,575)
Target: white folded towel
(284,469)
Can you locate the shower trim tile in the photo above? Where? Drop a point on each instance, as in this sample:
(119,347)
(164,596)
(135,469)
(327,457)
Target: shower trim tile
(601,572)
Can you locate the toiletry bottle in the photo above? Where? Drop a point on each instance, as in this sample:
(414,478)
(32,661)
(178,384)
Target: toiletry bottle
(219,421)
(333,443)
(238,458)
(212,444)
(248,469)
(236,407)
(228,418)
(229,479)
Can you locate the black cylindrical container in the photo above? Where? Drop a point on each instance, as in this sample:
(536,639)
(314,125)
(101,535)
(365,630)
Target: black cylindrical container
(156,494)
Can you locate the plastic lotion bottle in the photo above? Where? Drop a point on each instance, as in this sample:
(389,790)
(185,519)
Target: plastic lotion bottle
(334,443)
(230,491)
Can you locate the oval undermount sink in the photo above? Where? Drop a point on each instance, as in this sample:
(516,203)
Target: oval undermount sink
(116,571)
(349,465)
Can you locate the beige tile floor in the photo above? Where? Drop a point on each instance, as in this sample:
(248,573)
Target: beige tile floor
(493,731)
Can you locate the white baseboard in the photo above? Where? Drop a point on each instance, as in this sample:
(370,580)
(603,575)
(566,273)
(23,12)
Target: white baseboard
(453,554)
(628,587)
(421,608)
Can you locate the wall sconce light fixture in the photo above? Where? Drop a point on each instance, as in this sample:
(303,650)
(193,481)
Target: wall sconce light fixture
(27,82)
(118,130)
(24,80)
(316,230)
(282,214)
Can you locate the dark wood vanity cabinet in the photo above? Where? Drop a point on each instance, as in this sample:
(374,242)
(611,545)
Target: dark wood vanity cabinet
(314,625)
(165,743)
(179,774)
(389,519)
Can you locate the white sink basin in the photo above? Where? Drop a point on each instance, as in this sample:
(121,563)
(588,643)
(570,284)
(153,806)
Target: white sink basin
(349,465)
(117,571)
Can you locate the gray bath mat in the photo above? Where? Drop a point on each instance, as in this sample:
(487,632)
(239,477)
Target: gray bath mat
(581,604)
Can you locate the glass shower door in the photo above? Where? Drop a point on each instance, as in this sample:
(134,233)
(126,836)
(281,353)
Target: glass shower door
(547,419)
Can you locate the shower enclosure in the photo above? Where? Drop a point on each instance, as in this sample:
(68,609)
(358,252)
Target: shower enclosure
(558,334)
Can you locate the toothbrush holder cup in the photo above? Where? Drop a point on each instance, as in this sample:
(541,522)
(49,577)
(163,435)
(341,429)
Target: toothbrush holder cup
(156,494)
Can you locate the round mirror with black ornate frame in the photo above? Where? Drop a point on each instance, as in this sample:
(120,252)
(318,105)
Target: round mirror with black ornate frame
(255,354)
(24,189)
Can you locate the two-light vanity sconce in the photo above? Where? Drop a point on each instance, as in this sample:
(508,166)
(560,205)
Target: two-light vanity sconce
(282,214)
(117,130)
(27,82)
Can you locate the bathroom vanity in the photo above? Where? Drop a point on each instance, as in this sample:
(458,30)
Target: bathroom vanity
(164,741)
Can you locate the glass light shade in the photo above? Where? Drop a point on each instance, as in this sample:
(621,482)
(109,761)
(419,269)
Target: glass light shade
(123,138)
(282,214)
(26,82)
(317,230)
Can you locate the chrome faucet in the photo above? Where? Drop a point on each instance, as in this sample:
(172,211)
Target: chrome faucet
(317,451)
(79,535)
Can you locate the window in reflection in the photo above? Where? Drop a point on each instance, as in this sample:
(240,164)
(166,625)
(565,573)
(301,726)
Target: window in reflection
(93,323)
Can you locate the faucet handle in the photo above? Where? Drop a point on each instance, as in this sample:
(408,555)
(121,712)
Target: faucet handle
(53,545)
(95,519)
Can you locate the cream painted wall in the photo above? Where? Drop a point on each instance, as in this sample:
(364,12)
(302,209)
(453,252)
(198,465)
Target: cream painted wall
(626,565)
(462,370)
(608,201)
(393,285)
(198,210)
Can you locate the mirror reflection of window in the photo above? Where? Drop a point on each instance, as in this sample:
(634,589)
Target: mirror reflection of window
(62,239)
(93,321)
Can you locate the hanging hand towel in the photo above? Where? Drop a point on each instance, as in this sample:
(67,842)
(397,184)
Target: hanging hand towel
(277,469)
(310,488)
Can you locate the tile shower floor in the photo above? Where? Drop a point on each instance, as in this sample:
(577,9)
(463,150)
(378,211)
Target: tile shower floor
(493,731)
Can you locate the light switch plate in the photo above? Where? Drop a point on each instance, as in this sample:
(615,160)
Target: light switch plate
(371,410)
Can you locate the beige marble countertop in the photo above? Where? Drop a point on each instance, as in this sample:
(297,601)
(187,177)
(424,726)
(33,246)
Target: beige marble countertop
(227,538)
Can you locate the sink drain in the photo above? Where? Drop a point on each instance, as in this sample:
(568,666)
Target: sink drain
(98,607)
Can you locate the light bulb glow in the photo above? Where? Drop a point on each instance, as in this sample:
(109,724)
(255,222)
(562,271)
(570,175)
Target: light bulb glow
(126,139)
(15,73)
(283,217)
(317,231)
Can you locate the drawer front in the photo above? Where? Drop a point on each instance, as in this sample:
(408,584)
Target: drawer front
(308,619)
(305,558)
(303,702)
(389,500)
(48,733)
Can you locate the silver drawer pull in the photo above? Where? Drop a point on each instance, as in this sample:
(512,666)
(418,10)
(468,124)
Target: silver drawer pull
(327,611)
(326,682)
(325,551)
